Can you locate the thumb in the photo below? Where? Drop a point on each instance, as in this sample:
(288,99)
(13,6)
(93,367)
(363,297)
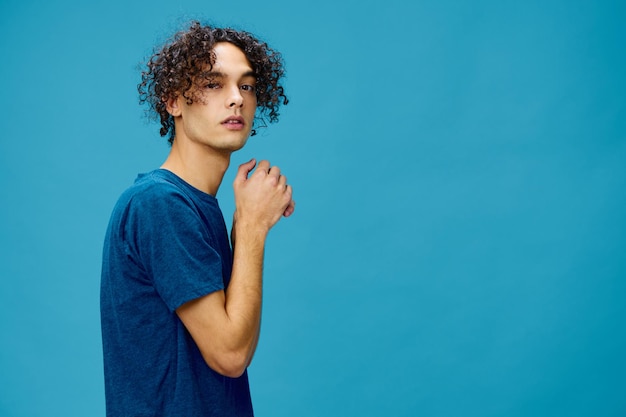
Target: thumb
(244,169)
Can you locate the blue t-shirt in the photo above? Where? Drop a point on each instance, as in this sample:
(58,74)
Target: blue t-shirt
(166,244)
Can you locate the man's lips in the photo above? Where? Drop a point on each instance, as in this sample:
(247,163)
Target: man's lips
(234,123)
(233,120)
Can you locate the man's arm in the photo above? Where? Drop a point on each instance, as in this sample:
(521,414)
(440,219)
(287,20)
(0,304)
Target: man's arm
(225,324)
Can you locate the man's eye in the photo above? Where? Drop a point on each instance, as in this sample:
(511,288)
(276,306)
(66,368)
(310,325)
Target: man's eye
(213,86)
(247,87)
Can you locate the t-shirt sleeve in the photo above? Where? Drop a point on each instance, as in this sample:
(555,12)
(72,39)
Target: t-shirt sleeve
(167,235)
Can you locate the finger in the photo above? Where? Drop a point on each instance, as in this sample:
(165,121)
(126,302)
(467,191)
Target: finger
(264,166)
(244,170)
(282,181)
(291,207)
(274,171)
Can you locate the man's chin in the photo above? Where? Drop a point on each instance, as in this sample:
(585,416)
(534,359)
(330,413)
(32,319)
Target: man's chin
(235,145)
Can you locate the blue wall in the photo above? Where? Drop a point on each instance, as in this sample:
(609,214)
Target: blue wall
(458,247)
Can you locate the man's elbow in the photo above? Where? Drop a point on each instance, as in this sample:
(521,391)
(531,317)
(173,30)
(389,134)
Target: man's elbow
(230,364)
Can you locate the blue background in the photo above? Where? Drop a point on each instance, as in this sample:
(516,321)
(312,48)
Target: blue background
(459,168)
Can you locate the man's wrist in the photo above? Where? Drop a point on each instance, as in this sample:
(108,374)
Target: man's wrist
(250,231)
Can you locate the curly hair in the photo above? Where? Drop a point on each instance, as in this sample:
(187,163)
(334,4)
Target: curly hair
(181,65)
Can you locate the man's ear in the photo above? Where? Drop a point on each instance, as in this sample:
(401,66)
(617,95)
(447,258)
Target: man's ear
(172,105)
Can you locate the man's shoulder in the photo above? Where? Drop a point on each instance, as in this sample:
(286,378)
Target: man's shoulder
(160,195)
(151,191)
(152,185)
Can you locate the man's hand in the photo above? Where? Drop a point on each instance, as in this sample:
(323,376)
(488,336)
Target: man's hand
(262,197)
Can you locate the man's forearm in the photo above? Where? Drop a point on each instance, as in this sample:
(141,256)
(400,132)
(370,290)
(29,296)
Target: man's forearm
(245,291)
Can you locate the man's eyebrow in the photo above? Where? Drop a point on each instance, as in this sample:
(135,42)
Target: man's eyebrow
(214,74)
(218,74)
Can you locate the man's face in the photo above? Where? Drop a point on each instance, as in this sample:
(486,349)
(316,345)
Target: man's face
(223,116)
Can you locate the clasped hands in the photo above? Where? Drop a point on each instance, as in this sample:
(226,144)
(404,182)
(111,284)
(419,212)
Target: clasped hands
(262,196)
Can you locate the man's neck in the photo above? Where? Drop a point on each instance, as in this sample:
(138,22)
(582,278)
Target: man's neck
(201,167)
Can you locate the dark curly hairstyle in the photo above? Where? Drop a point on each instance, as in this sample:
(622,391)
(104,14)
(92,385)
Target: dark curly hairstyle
(180,66)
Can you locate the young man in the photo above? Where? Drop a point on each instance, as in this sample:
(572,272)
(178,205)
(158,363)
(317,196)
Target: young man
(180,310)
